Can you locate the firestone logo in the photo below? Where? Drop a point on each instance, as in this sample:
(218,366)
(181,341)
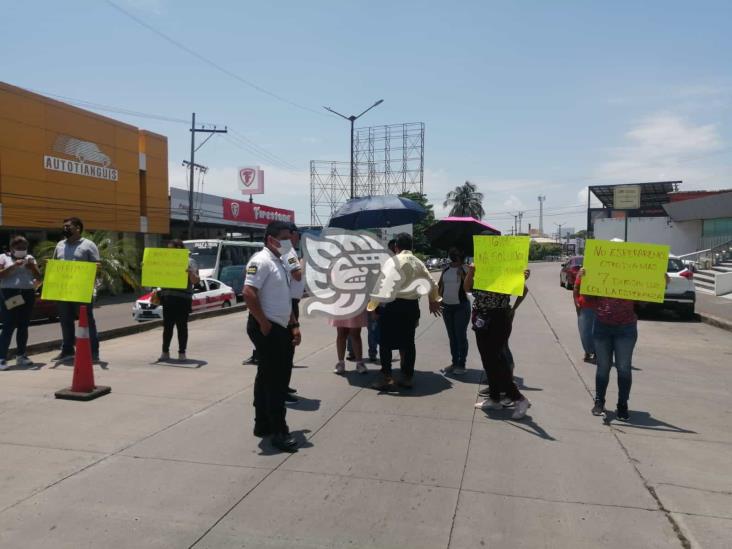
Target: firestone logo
(235,209)
(247,176)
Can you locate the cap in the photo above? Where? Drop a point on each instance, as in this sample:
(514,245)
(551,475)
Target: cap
(293,228)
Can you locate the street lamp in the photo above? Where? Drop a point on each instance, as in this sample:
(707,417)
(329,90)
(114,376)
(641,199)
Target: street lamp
(352,120)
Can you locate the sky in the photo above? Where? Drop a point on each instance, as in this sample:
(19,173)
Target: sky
(523,98)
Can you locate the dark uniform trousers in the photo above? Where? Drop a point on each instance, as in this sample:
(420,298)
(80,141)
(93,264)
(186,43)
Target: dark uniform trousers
(274,369)
(398,324)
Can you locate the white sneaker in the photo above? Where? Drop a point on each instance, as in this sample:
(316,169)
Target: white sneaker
(522,406)
(164,357)
(181,356)
(489,404)
(361,368)
(23,360)
(507,402)
(4,365)
(340,368)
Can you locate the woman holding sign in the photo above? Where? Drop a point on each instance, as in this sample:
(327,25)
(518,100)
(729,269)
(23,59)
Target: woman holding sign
(176,309)
(18,270)
(492,320)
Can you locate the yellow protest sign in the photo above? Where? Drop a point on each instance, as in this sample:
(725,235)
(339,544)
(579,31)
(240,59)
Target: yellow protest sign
(500,262)
(69,281)
(625,270)
(165,267)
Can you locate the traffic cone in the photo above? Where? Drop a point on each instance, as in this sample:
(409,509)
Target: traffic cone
(82,384)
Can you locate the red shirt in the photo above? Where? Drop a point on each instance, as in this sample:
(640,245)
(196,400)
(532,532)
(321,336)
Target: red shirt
(616,312)
(582,301)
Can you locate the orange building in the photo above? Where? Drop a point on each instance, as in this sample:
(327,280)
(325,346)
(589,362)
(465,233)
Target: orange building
(57,161)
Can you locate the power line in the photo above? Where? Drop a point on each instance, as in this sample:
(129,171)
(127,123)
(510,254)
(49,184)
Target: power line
(210,62)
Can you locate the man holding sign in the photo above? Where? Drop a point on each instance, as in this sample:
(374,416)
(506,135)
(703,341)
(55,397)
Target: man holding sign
(499,271)
(614,270)
(75,248)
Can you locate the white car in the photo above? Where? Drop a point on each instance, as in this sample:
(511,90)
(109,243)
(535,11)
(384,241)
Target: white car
(680,292)
(207,294)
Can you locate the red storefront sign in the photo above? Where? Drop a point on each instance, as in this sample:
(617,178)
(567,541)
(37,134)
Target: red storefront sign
(249,212)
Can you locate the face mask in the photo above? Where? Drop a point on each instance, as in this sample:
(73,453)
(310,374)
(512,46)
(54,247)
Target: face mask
(20,254)
(285,246)
(454,257)
(68,231)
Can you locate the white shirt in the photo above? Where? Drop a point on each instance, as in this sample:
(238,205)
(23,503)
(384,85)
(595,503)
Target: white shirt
(266,273)
(451,286)
(19,278)
(292,264)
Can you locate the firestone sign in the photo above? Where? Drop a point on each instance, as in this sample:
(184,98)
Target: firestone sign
(88,159)
(247,212)
(251,180)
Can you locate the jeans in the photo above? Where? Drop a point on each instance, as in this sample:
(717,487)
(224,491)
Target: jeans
(398,326)
(175,314)
(68,313)
(585,322)
(16,320)
(617,341)
(492,342)
(274,369)
(373,331)
(457,318)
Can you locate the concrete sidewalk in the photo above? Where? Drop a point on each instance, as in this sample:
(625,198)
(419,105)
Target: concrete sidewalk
(168,459)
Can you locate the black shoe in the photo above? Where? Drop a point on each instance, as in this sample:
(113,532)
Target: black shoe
(373,359)
(251,360)
(485,392)
(599,408)
(291,398)
(351,357)
(621,413)
(63,357)
(291,390)
(262,431)
(284,442)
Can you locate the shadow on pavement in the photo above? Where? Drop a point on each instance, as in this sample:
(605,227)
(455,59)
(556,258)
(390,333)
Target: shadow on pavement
(305,404)
(425,383)
(527,424)
(34,366)
(302,442)
(188,363)
(522,386)
(644,420)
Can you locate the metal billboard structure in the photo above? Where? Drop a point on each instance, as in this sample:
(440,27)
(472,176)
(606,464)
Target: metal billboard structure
(387,160)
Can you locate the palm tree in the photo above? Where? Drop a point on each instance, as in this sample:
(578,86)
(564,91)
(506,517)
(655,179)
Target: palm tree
(119,261)
(466,201)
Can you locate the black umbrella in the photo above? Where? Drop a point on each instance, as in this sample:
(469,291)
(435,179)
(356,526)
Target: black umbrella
(458,232)
(372,212)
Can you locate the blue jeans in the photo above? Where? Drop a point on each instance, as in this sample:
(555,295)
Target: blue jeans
(618,342)
(585,321)
(15,320)
(457,318)
(68,313)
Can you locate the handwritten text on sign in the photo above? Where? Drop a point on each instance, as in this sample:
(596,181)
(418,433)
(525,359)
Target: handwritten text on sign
(165,267)
(69,281)
(625,270)
(500,262)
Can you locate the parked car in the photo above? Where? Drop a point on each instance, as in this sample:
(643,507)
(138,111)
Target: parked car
(44,310)
(569,271)
(680,293)
(207,294)
(433,263)
(233,276)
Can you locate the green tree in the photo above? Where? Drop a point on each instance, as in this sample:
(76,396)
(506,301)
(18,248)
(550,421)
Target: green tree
(465,201)
(421,243)
(119,261)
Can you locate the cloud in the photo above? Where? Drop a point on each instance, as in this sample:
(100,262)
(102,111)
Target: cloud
(663,147)
(513,203)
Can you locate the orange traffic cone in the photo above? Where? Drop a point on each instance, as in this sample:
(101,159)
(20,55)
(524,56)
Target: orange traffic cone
(82,385)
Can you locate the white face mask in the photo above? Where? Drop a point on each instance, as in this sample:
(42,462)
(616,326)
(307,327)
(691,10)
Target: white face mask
(285,246)
(20,254)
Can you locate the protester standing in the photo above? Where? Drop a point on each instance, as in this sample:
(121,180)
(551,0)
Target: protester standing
(455,310)
(398,319)
(492,323)
(349,329)
(295,267)
(585,307)
(18,274)
(177,305)
(273,329)
(75,248)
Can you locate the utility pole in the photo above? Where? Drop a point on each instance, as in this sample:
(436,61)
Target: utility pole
(192,165)
(515,224)
(541,214)
(520,218)
(353,119)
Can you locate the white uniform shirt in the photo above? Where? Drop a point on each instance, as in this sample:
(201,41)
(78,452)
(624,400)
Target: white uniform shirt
(266,273)
(292,264)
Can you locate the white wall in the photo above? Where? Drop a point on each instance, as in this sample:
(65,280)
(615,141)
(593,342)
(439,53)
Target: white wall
(682,236)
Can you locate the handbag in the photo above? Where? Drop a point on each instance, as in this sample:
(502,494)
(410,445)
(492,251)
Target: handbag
(13,302)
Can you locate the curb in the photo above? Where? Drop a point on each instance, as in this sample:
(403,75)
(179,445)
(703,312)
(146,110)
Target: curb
(715,321)
(122,331)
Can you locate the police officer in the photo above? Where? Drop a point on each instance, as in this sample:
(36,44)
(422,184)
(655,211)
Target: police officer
(274,331)
(294,266)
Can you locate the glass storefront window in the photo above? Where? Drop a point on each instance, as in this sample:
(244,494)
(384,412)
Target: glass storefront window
(717,227)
